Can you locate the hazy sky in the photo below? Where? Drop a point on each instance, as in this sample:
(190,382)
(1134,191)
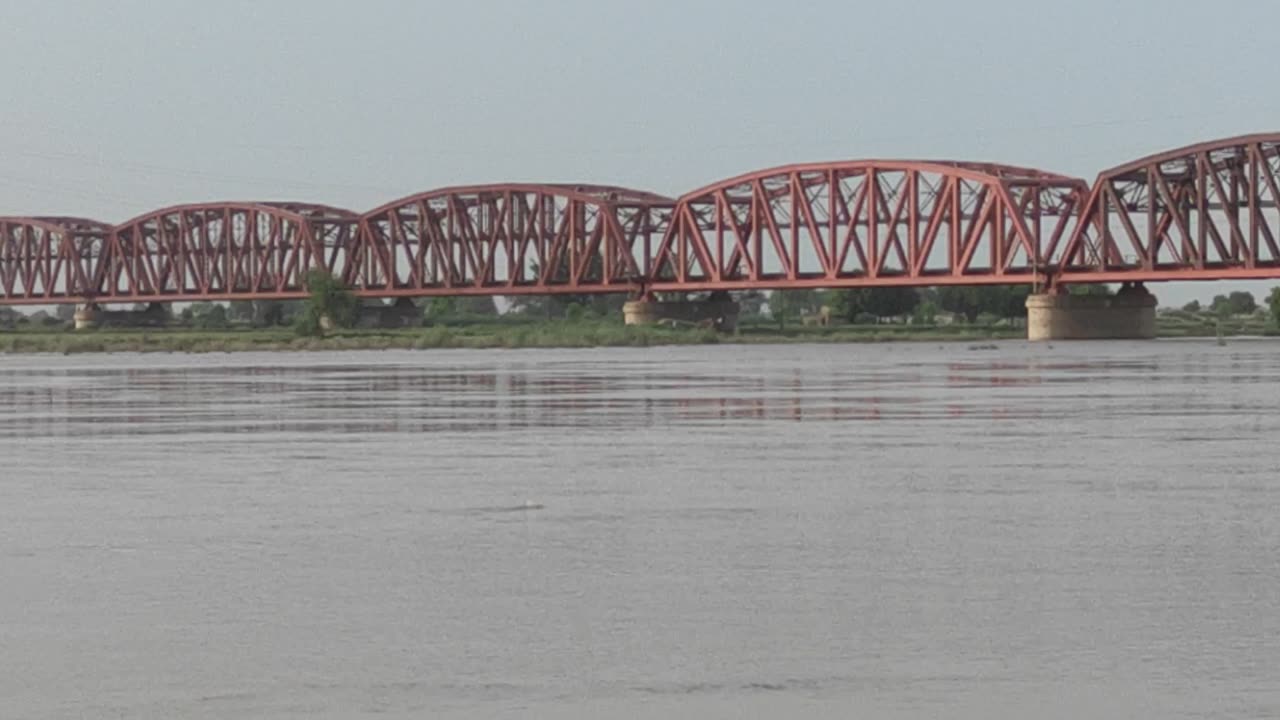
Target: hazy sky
(114,108)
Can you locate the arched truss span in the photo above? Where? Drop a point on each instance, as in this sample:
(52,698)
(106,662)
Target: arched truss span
(49,259)
(230,250)
(1210,210)
(869,223)
(510,239)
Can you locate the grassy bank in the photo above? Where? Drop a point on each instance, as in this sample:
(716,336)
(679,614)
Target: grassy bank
(553,334)
(1178,323)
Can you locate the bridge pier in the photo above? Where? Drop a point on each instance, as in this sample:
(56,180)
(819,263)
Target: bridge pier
(91,316)
(719,311)
(1130,314)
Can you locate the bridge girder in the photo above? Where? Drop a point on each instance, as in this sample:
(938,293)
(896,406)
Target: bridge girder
(1205,211)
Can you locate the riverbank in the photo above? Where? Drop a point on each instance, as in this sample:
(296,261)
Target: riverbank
(475,336)
(526,335)
(1179,324)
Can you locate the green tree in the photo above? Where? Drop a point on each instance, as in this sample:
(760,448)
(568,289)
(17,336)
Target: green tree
(801,302)
(330,301)
(270,313)
(778,309)
(1003,301)
(1237,303)
(751,303)
(477,305)
(1242,303)
(847,304)
(453,307)
(241,311)
(884,302)
(1192,307)
(441,310)
(258,313)
(963,300)
(1273,302)
(43,317)
(1096,290)
(204,315)
(926,313)
(555,306)
(1008,302)
(787,305)
(890,302)
(211,317)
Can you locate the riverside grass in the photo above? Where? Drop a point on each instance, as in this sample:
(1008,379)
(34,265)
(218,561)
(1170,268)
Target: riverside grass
(550,334)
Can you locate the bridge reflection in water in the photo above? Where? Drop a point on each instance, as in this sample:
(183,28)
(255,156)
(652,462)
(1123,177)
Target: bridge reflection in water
(441,393)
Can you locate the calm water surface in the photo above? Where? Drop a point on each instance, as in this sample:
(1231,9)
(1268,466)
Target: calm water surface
(898,531)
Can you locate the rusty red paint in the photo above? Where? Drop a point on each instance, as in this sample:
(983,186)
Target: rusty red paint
(868,223)
(1208,211)
(1178,216)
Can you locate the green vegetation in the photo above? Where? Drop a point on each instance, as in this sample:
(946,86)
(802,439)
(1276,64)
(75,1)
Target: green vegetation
(928,306)
(330,305)
(1180,323)
(496,336)
(802,316)
(214,316)
(1235,314)
(494,333)
(1237,303)
(1092,290)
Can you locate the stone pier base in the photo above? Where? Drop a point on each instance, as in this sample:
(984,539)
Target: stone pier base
(1129,315)
(720,314)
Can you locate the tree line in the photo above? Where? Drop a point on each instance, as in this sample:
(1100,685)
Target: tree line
(1236,303)
(874,305)
(329,299)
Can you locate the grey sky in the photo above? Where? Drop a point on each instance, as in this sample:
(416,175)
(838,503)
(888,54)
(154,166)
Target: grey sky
(111,109)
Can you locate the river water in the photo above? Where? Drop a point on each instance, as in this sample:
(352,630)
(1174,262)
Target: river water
(887,531)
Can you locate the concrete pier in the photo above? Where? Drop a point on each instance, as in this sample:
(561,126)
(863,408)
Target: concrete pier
(1128,315)
(719,313)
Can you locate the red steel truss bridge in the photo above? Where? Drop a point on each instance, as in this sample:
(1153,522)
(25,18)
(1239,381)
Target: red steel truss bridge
(1204,212)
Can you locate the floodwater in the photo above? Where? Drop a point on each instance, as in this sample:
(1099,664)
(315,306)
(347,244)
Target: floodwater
(888,531)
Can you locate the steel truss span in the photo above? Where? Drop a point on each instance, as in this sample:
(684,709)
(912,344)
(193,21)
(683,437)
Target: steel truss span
(510,240)
(869,223)
(50,259)
(225,250)
(211,251)
(1208,211)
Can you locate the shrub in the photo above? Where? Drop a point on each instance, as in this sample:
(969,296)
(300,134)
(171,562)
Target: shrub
(329,299)
(213,318)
